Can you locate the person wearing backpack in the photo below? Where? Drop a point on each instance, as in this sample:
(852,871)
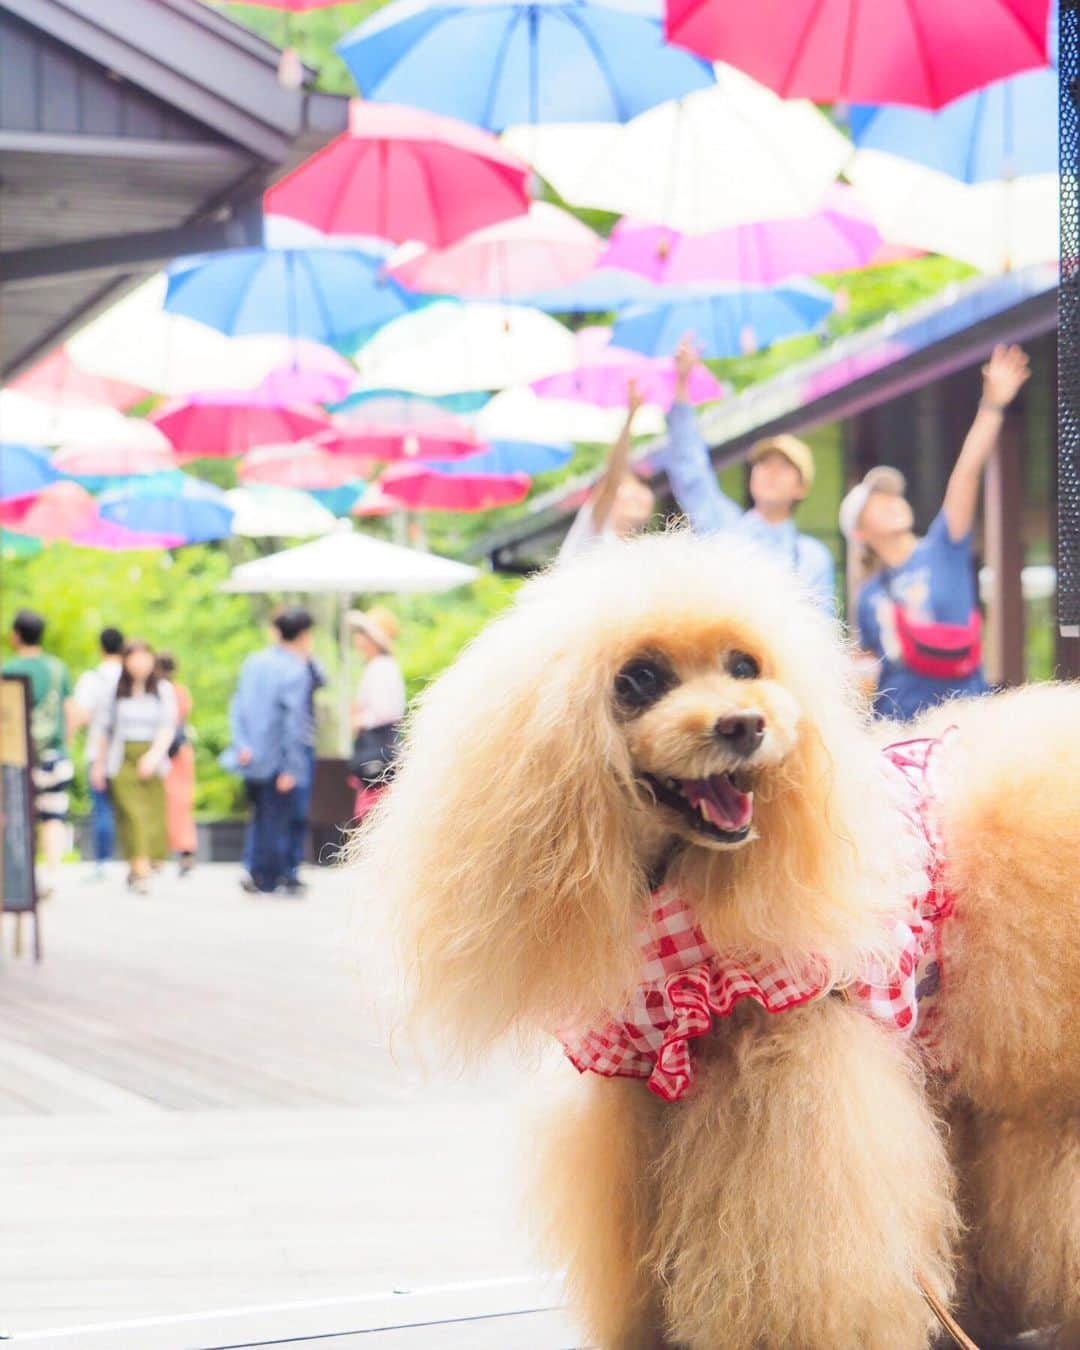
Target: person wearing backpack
(54,772)
(918,614)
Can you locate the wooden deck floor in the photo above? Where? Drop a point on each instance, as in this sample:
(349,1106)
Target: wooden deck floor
(200,1110)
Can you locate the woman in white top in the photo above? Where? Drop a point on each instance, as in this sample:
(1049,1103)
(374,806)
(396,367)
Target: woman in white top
(132,734)
(379,705)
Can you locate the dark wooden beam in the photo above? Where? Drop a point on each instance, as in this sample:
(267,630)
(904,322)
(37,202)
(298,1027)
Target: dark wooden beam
(1003,513)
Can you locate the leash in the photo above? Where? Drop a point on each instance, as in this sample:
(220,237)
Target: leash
(948,1322)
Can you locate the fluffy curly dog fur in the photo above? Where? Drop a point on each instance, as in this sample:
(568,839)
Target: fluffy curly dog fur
(789,1201)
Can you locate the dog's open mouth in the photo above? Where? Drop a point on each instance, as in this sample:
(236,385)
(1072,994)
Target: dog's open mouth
(720,806)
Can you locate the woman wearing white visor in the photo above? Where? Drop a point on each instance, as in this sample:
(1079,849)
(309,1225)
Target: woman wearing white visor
(918,611)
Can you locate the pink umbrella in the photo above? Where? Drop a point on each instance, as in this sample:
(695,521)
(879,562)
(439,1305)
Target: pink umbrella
(290,6)
(314,374)
(604,372)
(401,173)
(421,488)
(921,52)
(838,238)
(113,538)
(224,423)
(57,512)
(301,466)
(546,249)
(56,379)
(105,461)
(440,436)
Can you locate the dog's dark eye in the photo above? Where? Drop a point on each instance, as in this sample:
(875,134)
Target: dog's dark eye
(641,683)
(742,666)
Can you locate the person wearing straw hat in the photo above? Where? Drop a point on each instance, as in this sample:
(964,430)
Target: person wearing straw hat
(918,613)
(782,474)
(379,705)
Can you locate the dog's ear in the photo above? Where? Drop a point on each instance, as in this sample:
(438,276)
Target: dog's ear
(505,844)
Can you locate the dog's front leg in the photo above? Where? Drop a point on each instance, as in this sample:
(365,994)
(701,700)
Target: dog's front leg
(802,1190)
(595,1199)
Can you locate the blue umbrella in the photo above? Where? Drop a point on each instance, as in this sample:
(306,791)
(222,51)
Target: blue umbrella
(322,293)
(168,480)
(194,511)
(24,469)
(496,64)
(506,457)
(1007,130)
(604,291)
(462,404)
(340,500)
(727,321)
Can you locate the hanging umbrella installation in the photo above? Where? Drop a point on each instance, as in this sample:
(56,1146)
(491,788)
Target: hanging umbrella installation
(520,414)
(219,425)
(91,461)
(404,174)
(24,470)
(605,290)
(838,238)
(376,436)
(422,487)
(32,422)
(196,512)
(604,372)
(109,537)
(58,511)
(262,512)
(498,62)
(56,379)
(312,374)
(724,156)
(919,52)
(325,294)
(301,466)
(727,322)
(507,458)
(547,248)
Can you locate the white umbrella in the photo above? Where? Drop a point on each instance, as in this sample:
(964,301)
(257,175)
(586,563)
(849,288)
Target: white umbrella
(995,225)
(727,155)
(264,512)
(345,564)
(136,340)
(522,415)
(35,422)
(449,348)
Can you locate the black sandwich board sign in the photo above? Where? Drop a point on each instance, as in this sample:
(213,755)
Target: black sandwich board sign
(18,892)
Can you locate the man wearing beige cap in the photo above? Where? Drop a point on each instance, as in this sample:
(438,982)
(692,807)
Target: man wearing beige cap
(781,476)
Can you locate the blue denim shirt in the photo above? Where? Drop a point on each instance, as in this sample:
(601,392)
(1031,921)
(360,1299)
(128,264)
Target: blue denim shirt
(686,461)
(271,715)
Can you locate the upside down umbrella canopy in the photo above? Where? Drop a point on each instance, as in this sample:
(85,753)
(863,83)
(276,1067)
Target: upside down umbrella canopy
(422,487)
(196,512)
(24,470)
(604,372)
(222,424)
(57,379)
(56,512)
(105,461)
(301,466)
(919,52)
(497,62)
(403,173)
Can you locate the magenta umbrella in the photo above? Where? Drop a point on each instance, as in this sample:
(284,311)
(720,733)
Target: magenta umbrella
(603,375)
(402,173)
(920,52)
(314,374)
(221,424)
(839,238)
(301,466)
(57,380)
(437,436)
(544,250)
(114,538)
(423,488)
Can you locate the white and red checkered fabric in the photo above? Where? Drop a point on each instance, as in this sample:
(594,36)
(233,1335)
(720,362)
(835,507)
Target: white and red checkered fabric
(685,984)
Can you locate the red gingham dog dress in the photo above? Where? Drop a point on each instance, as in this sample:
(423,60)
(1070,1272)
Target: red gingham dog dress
(685,983)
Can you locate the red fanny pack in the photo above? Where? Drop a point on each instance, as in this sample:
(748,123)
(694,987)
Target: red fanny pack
(942,651)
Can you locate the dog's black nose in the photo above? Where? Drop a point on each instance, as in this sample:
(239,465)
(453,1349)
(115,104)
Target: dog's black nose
(743,733)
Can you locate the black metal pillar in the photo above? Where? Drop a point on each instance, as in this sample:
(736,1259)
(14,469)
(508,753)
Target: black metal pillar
(1069,323)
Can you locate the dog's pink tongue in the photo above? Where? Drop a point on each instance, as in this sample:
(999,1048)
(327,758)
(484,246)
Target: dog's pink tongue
(727,807)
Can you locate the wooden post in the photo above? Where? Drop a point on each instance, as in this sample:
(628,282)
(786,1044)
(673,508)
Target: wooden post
(1004,653)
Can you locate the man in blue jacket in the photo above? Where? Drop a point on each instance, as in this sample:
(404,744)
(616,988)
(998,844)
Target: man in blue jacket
(781,476)
(272,734)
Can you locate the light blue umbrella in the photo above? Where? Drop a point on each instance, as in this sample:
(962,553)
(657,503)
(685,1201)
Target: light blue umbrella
(194,511)
(462,404)
(724,321)
(168,480)
(605,291)
(24,469)
(327,294)
(1007,130)
(508,61)
(340,500)
(507,457)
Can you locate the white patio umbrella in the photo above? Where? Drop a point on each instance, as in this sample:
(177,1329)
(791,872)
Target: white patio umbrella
(349,563)
(520,414)
(35,422)
(449,348)
(727,155)
(995,225)
(136,340)
(266,512)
